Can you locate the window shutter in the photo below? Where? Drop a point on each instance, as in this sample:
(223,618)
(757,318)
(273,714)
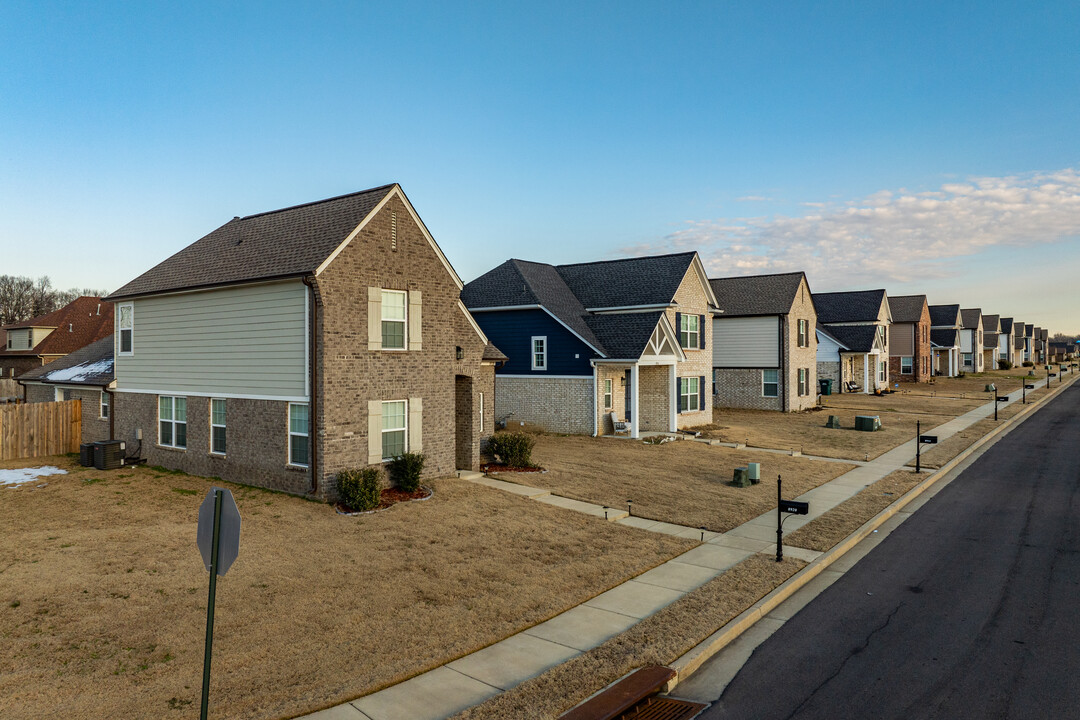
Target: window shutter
(374,324)
(678,328)
(374,432)
(415,324)
(701,332)
(416,416)
(679,392)
(701,392)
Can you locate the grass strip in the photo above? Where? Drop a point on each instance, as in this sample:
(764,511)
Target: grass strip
(659,639)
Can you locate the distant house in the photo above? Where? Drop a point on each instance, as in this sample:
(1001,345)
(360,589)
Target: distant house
(287,346)
(1045,345)
(1005,352)
(43,339)
(945,326)
(1029,342)
(991,330)
(1037,353)
(86,375)
(971,340)
(763,343)
(1019,345)
(629,338)
(859,320)
(910,354)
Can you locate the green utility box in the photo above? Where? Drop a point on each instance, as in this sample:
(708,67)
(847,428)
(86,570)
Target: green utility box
(753,472)
(834,422)
(991,387)
(867,423)
(742,478)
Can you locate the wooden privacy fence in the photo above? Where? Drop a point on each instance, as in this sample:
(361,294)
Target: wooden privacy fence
(10,389)
(38,429)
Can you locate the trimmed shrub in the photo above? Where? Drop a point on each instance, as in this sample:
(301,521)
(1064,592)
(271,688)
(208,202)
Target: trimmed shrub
(1004,365)
(1028,363)
(405,471)
(513,449)
(359,489)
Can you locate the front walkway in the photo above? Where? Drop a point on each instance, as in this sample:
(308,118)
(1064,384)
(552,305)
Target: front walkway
(467,681)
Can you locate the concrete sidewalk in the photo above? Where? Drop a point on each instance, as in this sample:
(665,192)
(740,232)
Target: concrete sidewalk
(467,681)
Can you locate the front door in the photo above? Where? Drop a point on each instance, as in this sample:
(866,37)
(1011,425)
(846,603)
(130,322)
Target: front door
(626,383)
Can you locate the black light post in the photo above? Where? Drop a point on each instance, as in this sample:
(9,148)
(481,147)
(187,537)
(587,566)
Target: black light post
(918,446)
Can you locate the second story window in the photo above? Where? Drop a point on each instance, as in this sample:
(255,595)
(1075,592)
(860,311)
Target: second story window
(689,331)
(393,319)
(539,353)
(804,333)
(126,324)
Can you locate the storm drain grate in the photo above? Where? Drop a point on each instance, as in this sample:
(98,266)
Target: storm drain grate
(663,708)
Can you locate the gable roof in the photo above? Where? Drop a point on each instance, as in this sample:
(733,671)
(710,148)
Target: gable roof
(651,280)
(291,242)
(945,315)
(757,294)
(971,317)
(625,335)
(906,308)
(991,324)
(90,365)
(77,324)
(945,337)
(822,330)
(856,338)
(1006,325)
(1029,330)
(854,306)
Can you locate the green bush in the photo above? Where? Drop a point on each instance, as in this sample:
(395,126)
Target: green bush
(359,489)
(513,449)
(1004,365)
(1028,363)
(405,471)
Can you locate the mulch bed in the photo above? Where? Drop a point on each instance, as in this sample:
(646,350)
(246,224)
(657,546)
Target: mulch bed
(389,497)
(498,468)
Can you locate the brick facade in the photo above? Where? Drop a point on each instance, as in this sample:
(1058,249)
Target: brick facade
(796,357)
(94,427)
(742,388)
(560,405)
(691,298)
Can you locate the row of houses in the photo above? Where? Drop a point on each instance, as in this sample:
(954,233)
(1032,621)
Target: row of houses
(287,346)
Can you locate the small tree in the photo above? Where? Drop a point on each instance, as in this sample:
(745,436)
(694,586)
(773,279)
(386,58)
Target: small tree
(405,471)
(513,449)
(359,489)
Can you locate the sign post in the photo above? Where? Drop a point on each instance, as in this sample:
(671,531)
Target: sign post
(918,447)
(793,507)
(999,399)
(218,538)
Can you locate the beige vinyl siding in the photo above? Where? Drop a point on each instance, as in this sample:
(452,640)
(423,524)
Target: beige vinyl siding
(247,340)
(902,339)
(39,334)
(746,342)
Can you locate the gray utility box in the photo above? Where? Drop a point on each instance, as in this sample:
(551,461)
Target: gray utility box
(741,478)
(753,472)
(109,454)
(834,422)
(867,423)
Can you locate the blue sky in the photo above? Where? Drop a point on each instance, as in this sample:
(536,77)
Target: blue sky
(921,147)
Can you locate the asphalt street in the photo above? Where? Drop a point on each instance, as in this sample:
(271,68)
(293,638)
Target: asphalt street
(969,609)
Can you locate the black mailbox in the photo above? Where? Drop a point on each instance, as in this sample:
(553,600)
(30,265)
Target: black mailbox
(1002,398)
(1029,387)
(795,507)
(928,439)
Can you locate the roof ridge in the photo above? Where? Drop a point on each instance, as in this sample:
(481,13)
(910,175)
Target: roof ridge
(316,202)
(760,275)
(615,260)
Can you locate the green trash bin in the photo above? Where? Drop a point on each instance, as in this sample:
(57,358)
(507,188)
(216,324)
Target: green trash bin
(826,386)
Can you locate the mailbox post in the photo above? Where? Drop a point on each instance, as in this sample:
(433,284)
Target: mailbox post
(793,507)
(920,440)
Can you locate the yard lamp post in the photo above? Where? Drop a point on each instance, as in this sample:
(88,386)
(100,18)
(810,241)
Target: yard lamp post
(630,508)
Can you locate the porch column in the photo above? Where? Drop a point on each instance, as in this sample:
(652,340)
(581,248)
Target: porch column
(673,398)
(952,371)
(866,374)
(634,401)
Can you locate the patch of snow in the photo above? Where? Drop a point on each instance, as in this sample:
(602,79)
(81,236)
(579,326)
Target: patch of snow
(77,373)
(17,477)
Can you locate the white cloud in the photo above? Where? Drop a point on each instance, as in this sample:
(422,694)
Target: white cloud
(888,236)
(753,198)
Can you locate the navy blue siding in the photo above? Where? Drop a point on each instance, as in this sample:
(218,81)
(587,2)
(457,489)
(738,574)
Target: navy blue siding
(512,331)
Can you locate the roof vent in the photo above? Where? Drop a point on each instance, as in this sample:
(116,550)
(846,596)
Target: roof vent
(71,327)
(99,308)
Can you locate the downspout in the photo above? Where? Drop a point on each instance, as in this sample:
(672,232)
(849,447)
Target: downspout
(595,408)
(313,398)
(112,411)
(785,364)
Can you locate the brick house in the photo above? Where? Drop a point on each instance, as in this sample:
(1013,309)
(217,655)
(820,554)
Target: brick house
(910,358)
(43,339)
(1019,345)
(86,375)
(856,326)
(287,346)
(971,340)
(991,331)
(1005,340)
(625,337)
(764,345)
(945,326)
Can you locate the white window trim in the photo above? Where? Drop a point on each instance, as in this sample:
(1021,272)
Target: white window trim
(882,368)
(288,427)
(173,421)
(696,334)
(104,406)
(684,392)
(214,425)
(803,334)
(765,382)
(481,412)
(911,365)
(803,382)
(404,428)
(120,328)
(533,353)
(404,323)
(609,395)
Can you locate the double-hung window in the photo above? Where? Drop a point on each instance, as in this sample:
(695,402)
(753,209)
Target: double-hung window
(172,421)
(394,433)
(689,331)
(804,381)
(104,405)
(905,365)
(539,352)
(770,383)
(882,368)
(298,434)
(394,304)
(217,426)
(804,333)
(689,394)
(126,324)
(607,394)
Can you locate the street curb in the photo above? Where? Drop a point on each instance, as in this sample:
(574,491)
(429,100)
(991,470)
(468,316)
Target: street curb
(686,665)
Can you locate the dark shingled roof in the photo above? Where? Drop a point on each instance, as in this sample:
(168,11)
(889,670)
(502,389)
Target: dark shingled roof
(907,308)
(1029,330)
(290,242)
(1045,335)
(91,365)
(944,314)
(79,323)
(945,337)
(650,280)
(857,306)
(991,323)
(858,338)
(756,294)
(1006,325)
(624,335)
(493,354)
(971,317)
(825,331)
(1018,329)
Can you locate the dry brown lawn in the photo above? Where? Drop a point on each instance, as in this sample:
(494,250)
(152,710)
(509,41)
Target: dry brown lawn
(974,384)
(826,531)
(681,482)
(658,640)
(103,592)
